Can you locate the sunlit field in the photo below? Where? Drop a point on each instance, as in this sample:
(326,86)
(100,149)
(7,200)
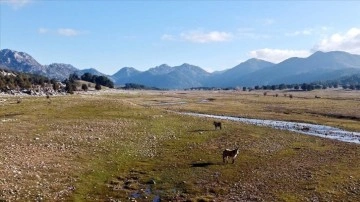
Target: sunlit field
(133,145)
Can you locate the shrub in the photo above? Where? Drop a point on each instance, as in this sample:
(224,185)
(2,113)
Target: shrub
(98,86)
(84,87)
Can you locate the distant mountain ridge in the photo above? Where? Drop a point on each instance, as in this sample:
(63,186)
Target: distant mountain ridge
(20,61)
(164,76)
(92,71)
(59,70)
(235,75)
(317,67)
(160,70)
(125,75)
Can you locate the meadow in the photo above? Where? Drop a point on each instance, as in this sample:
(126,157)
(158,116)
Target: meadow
(134,146)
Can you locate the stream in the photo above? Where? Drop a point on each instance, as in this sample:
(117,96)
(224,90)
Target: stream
(303,128)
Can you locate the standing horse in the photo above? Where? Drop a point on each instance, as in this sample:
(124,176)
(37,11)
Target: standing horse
(217,124)
(230,154)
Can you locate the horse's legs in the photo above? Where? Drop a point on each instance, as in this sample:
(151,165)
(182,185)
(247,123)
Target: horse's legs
(225,159)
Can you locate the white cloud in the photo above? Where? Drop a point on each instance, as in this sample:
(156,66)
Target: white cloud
(127,37)
(168,37)
(43,31)
(325,28)
(61,31)
(312,31)
(300,32)
(199,36)
(68,32)
(277,55)
(250,33)
(16,3)
(268,21)
(206,37)
(349,42)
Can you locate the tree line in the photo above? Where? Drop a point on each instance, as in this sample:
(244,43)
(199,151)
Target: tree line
(102,80)
(10,80)
(130,86)
(348,82)
(99,81)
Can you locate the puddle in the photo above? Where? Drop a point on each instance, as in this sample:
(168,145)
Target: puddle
(303,128)
(146,194)
(156,199)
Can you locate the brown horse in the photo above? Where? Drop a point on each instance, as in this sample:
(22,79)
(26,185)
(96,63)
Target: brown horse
(217,125)
(230,154)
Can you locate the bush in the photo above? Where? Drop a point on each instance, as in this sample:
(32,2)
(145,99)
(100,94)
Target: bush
(98,86)
(84,87)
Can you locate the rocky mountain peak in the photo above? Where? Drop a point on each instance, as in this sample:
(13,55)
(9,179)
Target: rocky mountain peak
(20,61)
(162,69)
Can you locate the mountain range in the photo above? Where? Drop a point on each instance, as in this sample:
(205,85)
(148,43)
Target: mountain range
(319,66)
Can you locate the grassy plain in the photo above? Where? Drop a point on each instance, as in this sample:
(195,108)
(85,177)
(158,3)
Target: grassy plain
(131,145)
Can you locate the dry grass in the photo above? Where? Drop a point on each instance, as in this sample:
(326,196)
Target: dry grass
(109,147)
(335,108)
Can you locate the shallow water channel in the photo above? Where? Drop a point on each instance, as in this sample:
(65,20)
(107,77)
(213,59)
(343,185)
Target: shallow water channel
(304,128)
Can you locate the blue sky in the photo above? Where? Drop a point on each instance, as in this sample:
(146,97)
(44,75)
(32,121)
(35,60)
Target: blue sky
(214,35)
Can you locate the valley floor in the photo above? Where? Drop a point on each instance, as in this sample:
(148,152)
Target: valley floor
(133,145)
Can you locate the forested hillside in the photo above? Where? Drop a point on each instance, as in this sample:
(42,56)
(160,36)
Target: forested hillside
(10,80)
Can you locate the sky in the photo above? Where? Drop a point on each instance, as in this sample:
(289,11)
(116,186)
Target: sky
(215,35)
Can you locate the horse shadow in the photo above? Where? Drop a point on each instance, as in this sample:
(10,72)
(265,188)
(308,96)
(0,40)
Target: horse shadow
(204,164)
(199,130)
